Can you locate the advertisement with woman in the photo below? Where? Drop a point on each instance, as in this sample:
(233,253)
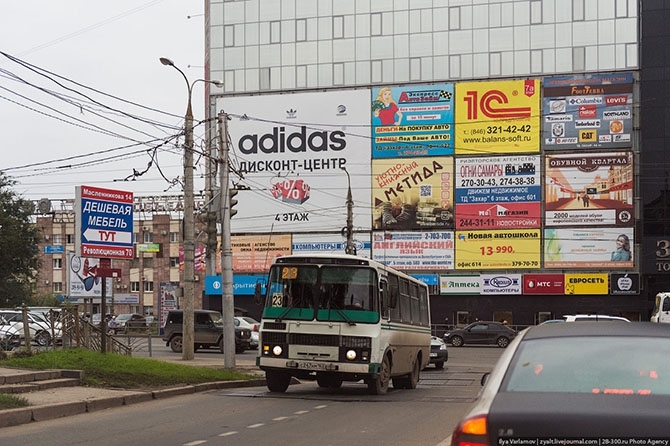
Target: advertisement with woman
(588,248)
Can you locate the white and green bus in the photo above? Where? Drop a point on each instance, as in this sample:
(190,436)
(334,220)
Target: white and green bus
(339,317)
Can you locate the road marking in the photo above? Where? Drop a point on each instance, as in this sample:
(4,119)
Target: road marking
(254,426)
(280,419)
(323,406)
(301,412)
(194,443)
(227,434)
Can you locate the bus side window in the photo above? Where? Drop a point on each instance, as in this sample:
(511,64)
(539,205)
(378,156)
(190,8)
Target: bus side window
(383,298)
(666,304)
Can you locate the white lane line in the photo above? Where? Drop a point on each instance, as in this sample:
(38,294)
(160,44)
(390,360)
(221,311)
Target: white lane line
(254,426)
(280,419)
(301,412)
(321,407)
(195,443)
(227,434)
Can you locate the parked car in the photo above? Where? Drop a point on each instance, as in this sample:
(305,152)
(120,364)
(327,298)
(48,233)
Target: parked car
(481,332)
(40,331)
(208,331)
(10,338)
(575,381)
(127,323)
(438,352)
(253,325)
(593,317)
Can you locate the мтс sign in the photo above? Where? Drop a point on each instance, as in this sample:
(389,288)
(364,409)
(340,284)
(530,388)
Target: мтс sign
(104,223)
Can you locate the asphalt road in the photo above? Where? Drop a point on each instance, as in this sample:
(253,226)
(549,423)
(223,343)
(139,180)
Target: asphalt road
(304,415)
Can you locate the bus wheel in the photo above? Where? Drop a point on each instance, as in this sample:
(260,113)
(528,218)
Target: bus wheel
(380,384)
(329,381)
(410,380)
(277,381)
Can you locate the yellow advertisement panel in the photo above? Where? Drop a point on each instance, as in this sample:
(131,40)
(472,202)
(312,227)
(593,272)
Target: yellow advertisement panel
(498,249)
(586,283)
(255,253)
(497,117)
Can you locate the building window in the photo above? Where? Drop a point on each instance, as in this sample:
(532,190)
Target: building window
(415,69)
(69,239)
(136,237)
(56,239)
(148,237)
(134,287)
(148,286)
(174,262)
(148,262)
(338,74)
(376,24)
(275,31)
(264,77)
(455,18)
(338,27)
(301,30)
(229,35)
(174,237)
(57,263)
(58,287)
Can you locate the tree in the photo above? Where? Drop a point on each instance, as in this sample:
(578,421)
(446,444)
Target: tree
(19,252)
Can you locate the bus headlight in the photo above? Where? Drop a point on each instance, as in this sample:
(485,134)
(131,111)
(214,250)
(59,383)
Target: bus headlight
(277,350)
(351,355)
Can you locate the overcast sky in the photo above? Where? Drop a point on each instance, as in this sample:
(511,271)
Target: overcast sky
(112,47)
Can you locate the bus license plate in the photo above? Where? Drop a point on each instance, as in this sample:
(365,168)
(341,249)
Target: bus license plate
(312,365)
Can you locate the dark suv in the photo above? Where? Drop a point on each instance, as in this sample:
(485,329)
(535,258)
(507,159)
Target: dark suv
(207,328)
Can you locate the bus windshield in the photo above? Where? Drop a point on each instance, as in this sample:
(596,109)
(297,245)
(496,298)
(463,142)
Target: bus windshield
(328,292)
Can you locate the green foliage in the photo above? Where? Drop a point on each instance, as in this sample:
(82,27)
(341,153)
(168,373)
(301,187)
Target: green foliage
(113,370)
(19,238)
(12,401)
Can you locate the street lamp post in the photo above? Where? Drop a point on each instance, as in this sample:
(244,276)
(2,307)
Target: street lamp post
(350,248)
(188,348)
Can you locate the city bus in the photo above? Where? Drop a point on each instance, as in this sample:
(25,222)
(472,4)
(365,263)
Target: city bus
(340,317)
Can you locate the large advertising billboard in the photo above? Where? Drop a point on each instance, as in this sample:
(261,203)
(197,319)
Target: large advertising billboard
(414,250)
(83,278)
(293,157)
(497,117)
(413,193)
(307,244)
(478,250)
(589,189)
(255,253)
(587,112)
(412,121)
(589,248)
(501,192)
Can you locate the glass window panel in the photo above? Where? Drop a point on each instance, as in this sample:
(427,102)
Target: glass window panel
(338,27)
(502,39)
(312,76)
(536,11)
(350,73)
(251,33)
(381,47)
(301,76)
(288,77)
(239,35)
(301,30)
(401,70)
(626,30)
(325,75)
(363,72)
(415,69)
(400,45)
(325,28)
(287,31)
(415,22)
(349,27)
(480,65)
(440,44)
(480,16)
(264,33)
(251,57)
(387,71)
(632,56)
(549,61)
(564,12)
(338,74)
(275,78)
(312,32)
(584,33)
(376,24)
(363,23)
(363,49)
(306,8)
(440,19)
(400,22)
(548,11)
(521,62)
(466,66)
(521,37)
(455,18)
(325,51)
(578,10)
(606,57)
(344,50)
(460,42)
(542,36)
(426,20)
(275,31)
(288,54)
(229,80)
(606,33)
(578,58)
(494,64)
(216,37)
(455,66)
(495,15)
(306,53)
(264,78)
(591,9)
(536,61)
(563,35)
(420,45)
(376,71)
(507,15)
(591,61)
(387,23)
(606,9)
(521,13)
(229,35)
(343,7)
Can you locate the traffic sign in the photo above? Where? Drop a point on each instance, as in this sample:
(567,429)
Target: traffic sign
(104,223)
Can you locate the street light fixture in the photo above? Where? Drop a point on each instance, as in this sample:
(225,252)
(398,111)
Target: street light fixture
(350,248)
(188,348)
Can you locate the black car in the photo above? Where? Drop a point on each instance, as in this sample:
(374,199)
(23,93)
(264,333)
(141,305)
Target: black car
(587,382)
(481,332)
(207,328)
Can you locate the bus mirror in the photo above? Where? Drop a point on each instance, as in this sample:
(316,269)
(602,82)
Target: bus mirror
(257,294)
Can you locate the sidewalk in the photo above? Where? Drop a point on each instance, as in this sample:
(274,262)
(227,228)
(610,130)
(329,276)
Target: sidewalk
(51,400)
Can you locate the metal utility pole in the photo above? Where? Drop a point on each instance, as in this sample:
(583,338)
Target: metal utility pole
(350,248)
(188,299)
(228,305)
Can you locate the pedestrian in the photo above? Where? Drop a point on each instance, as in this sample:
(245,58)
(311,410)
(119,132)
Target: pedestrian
(586,200)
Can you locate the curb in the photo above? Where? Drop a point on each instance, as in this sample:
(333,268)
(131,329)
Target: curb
(24,415)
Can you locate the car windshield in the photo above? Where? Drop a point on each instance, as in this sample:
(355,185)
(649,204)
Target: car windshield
(607,365)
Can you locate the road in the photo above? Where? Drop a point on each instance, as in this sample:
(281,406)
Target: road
(304,415)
